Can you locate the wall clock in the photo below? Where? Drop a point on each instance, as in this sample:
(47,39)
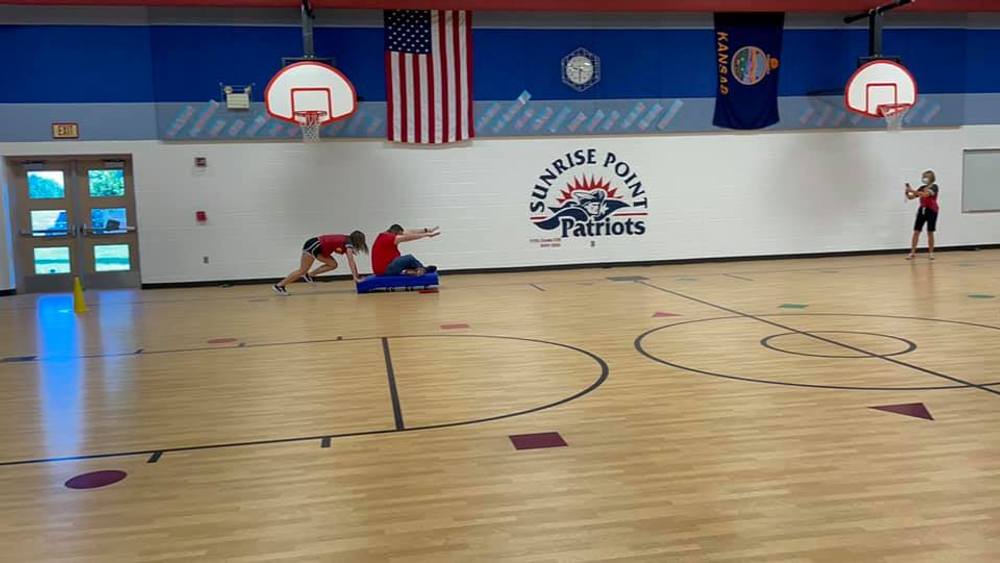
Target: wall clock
(581,69)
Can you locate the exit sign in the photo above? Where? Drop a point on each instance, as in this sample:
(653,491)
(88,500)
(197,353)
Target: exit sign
(65,130)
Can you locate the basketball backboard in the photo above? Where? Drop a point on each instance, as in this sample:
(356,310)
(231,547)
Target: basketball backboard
(879,88)
(310,87)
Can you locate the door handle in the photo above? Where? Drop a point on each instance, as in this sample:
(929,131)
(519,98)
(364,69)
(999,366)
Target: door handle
(90,231)
(69,231)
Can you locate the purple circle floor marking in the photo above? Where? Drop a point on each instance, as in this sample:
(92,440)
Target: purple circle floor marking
(95,479)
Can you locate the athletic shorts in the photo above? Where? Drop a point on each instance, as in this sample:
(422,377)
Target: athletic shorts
(928,216)
(312,247)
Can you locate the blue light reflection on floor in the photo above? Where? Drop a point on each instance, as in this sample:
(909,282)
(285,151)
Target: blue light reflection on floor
(61,379)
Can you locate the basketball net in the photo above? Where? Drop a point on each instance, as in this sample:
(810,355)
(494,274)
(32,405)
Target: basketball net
(310,123)
(893,115)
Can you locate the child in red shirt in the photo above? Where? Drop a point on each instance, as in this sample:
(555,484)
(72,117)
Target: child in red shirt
(322,248)
(386,259)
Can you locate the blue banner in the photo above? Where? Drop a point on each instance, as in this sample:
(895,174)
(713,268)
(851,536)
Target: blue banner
(748,53)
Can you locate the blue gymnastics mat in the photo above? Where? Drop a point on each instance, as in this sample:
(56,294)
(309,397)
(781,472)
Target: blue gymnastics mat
(372,284)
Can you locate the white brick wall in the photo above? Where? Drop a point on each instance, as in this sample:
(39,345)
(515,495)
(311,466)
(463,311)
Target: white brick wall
(710,196)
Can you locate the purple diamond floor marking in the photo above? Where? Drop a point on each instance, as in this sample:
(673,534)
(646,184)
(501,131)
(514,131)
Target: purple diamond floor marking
(916,410)
(454,326)
(542,440)
(659,314)
(95,479)
(222,340)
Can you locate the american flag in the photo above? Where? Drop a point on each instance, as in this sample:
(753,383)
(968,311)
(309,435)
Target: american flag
(428,73)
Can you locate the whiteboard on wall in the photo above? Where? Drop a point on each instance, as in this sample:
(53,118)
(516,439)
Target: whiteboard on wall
(981,180)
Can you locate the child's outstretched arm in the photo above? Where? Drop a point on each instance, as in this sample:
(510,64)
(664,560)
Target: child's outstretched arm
(417,235)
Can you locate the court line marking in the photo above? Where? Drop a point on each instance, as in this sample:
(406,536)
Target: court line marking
(824,339)
(536,287)
(638,346)
(737,277)
(397,410)
(910,345)
(202,349)
(858,267)
(605,372)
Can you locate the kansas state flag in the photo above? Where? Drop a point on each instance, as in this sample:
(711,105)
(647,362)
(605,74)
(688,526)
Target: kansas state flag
(747,49)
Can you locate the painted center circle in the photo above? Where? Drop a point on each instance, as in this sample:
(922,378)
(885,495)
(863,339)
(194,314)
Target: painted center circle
(716,347)
(817,344)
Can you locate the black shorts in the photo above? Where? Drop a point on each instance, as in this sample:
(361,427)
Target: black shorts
(312,247)
(926,215)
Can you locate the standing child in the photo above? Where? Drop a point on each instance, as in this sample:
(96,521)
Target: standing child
(322,248)
(927,213)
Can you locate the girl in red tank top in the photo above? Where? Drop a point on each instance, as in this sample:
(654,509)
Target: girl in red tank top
(322,248)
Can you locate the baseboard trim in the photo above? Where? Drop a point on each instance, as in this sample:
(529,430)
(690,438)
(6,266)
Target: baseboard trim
(591,265)
(7,292)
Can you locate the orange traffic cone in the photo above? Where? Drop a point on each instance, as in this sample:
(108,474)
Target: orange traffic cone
(79,303)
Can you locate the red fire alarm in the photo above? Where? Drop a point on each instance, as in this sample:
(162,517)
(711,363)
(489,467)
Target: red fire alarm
(201,216)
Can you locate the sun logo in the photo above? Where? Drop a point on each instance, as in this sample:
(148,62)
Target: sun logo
(582,203)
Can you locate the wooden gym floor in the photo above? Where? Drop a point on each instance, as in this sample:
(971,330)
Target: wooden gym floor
(712,412)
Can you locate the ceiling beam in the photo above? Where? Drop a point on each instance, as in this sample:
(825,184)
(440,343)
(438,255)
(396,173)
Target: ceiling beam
(557,5)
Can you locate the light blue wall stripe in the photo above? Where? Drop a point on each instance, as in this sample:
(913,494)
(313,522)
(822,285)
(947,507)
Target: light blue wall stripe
(122,122)
(523,117)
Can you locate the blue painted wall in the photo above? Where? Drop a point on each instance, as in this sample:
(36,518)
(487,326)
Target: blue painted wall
(77,64)
(159,81)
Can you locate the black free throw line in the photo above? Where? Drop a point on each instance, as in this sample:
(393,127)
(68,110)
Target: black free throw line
(197,349)
(397,410)
(824,339)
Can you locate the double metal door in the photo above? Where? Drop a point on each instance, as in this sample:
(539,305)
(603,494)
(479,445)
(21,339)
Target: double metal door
(74,217)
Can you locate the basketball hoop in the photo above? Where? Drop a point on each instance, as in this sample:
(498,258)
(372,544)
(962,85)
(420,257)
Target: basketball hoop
(893,115)
(310,123)
(882,89)
(310,94)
